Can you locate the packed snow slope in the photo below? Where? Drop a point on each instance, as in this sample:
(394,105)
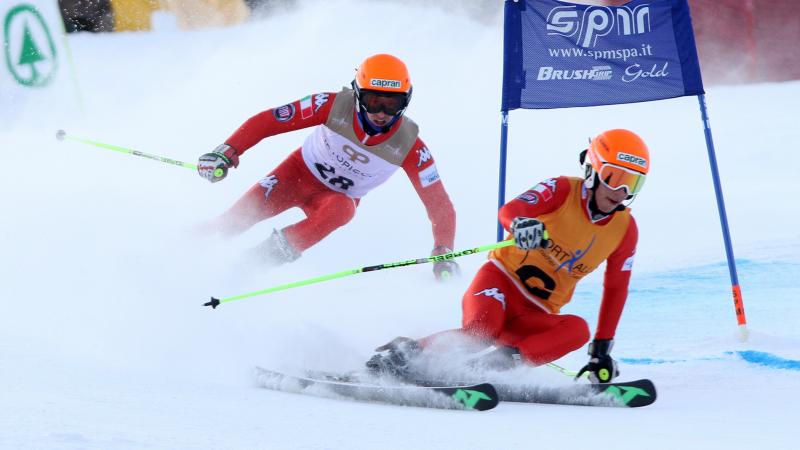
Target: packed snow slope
(103,340)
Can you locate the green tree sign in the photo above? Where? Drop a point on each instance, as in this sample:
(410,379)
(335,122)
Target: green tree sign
(30,53)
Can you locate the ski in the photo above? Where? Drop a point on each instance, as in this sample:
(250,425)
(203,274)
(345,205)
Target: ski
(475,397)
(630,394)
(627,394)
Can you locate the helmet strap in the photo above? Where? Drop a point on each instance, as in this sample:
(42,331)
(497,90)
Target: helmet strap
(592,181)
(582,156)
(596,213)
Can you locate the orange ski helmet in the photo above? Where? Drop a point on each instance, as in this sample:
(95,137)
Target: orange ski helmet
(384,73)
(382,84)
(619,159)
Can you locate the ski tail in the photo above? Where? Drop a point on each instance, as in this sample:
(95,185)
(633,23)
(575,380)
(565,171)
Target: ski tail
(476,397)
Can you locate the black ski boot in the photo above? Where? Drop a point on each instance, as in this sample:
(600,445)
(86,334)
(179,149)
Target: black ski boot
(394,358)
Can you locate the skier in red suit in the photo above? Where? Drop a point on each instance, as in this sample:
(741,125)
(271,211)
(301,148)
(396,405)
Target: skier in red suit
(361,137)
(564,228)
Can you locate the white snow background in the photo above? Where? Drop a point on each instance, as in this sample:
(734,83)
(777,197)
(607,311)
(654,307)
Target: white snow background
(104,343)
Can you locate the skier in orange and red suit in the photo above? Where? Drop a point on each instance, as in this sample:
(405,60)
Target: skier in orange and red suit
(564,228)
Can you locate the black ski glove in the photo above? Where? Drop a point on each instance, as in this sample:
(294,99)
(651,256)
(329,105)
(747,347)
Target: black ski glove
(602,368)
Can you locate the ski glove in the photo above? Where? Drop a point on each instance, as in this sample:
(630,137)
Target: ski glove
(528,233)
(214,166)
(445,268)
(601,368)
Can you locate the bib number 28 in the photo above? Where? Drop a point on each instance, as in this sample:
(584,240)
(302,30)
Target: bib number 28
(328,173)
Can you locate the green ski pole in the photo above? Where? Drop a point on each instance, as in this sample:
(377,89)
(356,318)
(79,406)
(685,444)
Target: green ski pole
(217,301)
(565,371)
(62,135)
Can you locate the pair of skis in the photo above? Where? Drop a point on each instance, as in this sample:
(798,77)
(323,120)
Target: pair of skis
(465,396)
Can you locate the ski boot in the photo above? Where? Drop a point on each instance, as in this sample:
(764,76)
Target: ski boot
(276,250)
(394,358)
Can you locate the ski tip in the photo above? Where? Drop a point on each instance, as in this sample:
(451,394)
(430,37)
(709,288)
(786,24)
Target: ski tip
(61,134)
(492,401)
(633,394)
(213,303)
(651,388)
(479,397)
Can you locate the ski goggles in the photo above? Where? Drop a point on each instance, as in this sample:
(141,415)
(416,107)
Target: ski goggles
(616,178)
(391,103)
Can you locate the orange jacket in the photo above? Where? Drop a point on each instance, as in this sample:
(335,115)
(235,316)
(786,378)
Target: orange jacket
(577,246)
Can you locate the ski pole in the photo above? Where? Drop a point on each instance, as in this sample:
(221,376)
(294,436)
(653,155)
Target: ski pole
(565,371)
(217,301)
(62,135)
(493,349)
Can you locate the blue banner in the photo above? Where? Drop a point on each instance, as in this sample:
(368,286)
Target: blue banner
(560,55)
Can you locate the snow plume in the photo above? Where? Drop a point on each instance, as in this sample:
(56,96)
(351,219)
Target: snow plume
(455,357)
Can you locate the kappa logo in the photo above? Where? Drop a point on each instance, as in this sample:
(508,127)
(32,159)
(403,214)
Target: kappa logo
(29,50)
(268,183)
(319,100)
(424,156)
(589,24)
(378,82)
(495,294)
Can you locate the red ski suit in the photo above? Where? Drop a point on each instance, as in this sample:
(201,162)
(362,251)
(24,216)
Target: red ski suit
(334,168)
(516,297)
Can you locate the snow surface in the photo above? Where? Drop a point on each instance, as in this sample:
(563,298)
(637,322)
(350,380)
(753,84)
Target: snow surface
(103,340)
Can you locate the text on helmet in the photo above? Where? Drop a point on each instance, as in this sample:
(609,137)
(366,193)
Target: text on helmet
(378,82)
(633,159)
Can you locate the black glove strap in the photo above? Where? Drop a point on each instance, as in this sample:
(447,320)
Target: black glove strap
(601,347)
